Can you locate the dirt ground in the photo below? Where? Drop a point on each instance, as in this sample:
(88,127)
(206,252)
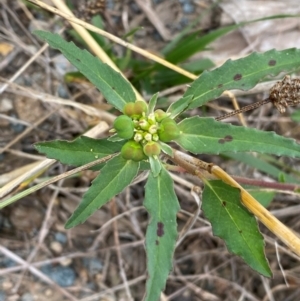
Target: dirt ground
(104,258)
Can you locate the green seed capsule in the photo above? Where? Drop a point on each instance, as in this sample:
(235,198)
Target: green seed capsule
(132,150)
(129,109)
(168,130)
(124,126)
(140,107)
(160,115)
(152,149)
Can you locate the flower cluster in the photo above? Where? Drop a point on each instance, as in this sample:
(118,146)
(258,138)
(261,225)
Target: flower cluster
(144,131)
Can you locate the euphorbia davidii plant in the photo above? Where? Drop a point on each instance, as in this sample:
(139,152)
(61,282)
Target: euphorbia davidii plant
(141,136)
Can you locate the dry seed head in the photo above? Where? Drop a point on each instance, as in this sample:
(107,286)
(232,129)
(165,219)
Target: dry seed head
(285,93)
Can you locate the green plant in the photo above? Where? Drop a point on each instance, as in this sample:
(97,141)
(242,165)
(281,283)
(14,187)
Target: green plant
(140,138)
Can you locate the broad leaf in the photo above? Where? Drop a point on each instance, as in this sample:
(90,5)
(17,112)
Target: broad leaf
(162,205)
(115,88)
(205,135)
(81,151)
(242,74)
(113,178)
(232,222)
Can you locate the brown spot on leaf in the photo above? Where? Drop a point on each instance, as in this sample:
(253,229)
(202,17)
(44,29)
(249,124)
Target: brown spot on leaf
(220,86)
(272,63)
(227,138)
(160,229)
(224,204)
(240,231)
(156,242)
(237,77)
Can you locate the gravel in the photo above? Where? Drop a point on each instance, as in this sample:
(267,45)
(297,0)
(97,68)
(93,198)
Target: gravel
(63,276)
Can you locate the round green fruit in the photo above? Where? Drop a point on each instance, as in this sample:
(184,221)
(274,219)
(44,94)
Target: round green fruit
(140,107)
(160,115)
(129,109)
(168,130)
(152,149)
(132,150)
(124,127)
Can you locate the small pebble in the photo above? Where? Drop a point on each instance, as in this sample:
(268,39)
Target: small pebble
(62,92)
(188,8)
(7,285)
(48,292)
(62,65)
(110,4)
(7,262)
(66,262)
(135,8)
(2,296)
(17,127)
(27,297)
(63,276)
(56,247)
(93,265)
(6,105)
(60,237)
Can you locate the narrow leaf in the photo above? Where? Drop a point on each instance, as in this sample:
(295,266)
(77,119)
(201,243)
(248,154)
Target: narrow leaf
(162,205)
(155,166)
(242,74)
(152,103)
(166,148)
(115,88)
(232,222)
(261,164)
(81,151)
(113,178)
(179,106)
(205,135)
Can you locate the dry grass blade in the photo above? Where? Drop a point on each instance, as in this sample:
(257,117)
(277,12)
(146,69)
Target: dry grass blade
(269,220)
(113,38)
(196,167)
(42,166)
(37,273)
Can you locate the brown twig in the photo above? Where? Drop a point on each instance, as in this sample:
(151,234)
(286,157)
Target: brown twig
(252,106)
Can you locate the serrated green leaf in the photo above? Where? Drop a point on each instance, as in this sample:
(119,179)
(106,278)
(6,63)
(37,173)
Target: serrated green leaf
(162,204)
(113,178)
(232,222)
(207,136)
(242,74)
(115,88)
(80,151)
